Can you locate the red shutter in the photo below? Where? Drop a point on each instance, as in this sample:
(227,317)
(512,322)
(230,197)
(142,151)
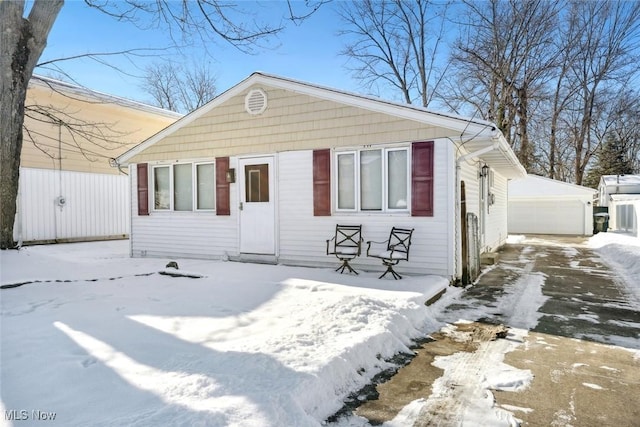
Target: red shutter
(422,179)
(322,182)
(143,189)
(222,187)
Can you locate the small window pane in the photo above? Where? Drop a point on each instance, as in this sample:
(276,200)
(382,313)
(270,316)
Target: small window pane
(256,178)
(206,186)
(161,186)
(397,190)
(182,187)
(371,180)
(346,181)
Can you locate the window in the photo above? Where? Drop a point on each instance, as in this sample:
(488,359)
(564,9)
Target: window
(206,184)
(256,183)
(346,181)
(176,187)
(373,180)
(397,161)
(161,188)
(183,187)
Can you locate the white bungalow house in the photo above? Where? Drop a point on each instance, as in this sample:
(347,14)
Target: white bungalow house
(539,205)
(267,169)
(68,190)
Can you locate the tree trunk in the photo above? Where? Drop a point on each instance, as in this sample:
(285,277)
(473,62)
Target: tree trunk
(22,41)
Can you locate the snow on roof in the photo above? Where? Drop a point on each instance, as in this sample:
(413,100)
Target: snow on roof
(539,186)
(621,179)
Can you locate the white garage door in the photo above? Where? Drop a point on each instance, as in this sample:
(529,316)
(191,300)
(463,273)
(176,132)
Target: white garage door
(547,217)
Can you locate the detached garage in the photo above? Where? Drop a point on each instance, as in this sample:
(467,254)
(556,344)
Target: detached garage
(539,205)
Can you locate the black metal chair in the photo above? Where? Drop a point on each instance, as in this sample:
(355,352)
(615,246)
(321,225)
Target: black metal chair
(346,245)
(393,250)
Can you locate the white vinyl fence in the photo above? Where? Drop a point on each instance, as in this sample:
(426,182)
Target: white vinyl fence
(67,206)
(623,214)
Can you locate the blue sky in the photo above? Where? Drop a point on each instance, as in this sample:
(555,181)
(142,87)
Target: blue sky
(309,52)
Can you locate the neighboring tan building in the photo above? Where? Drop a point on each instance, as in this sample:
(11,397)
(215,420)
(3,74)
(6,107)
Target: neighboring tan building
(69,189)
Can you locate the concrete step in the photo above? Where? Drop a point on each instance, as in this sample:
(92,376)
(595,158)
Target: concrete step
(489,258)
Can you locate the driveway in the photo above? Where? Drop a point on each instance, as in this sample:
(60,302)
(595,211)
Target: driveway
(582,346)
(585,299)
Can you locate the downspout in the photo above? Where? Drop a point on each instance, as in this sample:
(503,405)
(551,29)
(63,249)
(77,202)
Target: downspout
(458,180)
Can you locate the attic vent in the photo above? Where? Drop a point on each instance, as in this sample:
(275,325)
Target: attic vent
(255,102)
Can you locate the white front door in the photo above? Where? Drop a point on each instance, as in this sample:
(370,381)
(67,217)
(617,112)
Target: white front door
(257,205)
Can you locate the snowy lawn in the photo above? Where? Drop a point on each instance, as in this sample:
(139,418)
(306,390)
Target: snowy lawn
(98,338)
(102,339)
(622,253)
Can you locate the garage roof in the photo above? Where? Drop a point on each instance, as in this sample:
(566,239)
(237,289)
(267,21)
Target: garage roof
(534,186)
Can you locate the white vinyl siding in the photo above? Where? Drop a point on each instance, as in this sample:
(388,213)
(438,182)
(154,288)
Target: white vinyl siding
(186,234)
(496,232)
(303,236)
(96,206)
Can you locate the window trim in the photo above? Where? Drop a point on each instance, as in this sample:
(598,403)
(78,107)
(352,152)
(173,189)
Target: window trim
(194,186)
(385,180)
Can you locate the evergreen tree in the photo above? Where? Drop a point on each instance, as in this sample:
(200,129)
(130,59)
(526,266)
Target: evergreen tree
(611,159)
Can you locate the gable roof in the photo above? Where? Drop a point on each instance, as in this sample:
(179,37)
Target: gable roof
(474,134)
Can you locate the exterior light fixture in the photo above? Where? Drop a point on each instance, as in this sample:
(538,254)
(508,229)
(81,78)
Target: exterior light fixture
(231,176)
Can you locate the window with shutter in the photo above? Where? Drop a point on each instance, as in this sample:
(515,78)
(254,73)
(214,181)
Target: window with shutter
(143,189)
(422,155)
(322,182)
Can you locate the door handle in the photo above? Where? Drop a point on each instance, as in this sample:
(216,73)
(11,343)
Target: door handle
(241,206)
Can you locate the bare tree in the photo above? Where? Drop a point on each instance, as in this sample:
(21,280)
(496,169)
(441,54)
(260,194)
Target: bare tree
(25,26)
(22,41)
(179,88)
(396,43)
(503,57)
(605,54)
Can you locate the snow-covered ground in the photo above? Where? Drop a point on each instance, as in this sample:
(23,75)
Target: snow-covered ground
(102,339)
(622,253)
(98,338)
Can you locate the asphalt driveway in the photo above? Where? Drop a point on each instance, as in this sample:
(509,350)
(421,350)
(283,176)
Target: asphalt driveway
(586,300)
(582,351)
